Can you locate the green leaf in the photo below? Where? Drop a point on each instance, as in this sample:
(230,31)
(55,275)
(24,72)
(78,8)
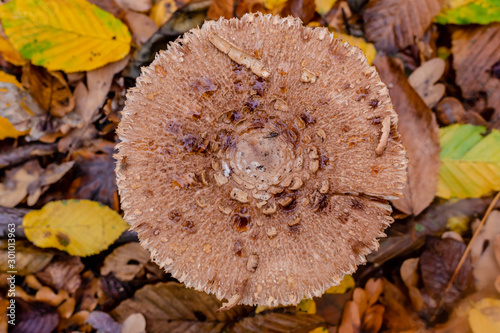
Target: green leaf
(68,35)
(470,161)
(467,12)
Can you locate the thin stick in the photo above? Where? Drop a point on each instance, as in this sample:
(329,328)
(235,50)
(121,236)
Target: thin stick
(467,250)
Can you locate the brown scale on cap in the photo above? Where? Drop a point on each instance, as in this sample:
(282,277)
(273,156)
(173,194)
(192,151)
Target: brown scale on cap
(269,193)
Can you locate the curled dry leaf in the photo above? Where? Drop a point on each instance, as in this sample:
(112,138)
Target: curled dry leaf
(63,274)
(475,55)
(30,180)
(169,307)
(142,26)
(126,261)
(424,79)
(49,89)
(420,135)
(451,111)
(389,24)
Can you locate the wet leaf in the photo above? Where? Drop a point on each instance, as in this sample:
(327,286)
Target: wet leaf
(470,162)
(49,89)
(420,135)
(477,77)
(170,307)
(437,265)
(79,227)
(64,35)
(469,11)
(389,24)
(126,261)
(484,316)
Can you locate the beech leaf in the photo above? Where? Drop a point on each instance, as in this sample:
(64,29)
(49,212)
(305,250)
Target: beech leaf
(468,12)
(79,227)
(470,161)
(68,35)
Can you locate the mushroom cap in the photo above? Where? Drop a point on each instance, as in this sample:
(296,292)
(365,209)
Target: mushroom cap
(256,158)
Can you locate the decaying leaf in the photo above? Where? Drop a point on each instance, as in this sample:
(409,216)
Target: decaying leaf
(79,227)
(468,12)
(470,161)
(420,135)
(170,307)
(396,24)
(49,89)
(475,54)
(63,274)
(279,323)
(437,265)
(19,108)
(29,259)
(30,180)
(424,79)
(68,35)
(126,261)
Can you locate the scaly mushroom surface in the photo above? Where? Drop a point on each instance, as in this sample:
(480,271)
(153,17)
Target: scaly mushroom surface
(256,158)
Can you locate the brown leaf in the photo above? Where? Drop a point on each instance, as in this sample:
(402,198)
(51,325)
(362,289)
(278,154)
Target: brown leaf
(351,320)
(303,9)
(126,261)
(372,321)
(95,175)
(49,89)
(420,135)
(15,155)
(29,259)
(221,8)
(103,322)
(437,265)
(170,307)
(395,24)
(279,322)
(424,78)
(475,54)
(451,111)
(142,26)
(63,273)
(35,317)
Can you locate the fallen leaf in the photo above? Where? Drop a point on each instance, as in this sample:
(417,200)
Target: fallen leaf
(221,8)
(19,108)
(367,48)
(63,274)
(103,322)
(49,89)
(484,317)
(451,111)
(170,307)
(390,25)
(424,79)
(142,26)
(35,317)
(9,53)
(17,155)
(126,261)
(274,5)
(468,11)
(29,259)
(437,265)
(346,284)
(410,277)
(95,175)
(111,291)
(79,227)
(482,44)
(279,323)
(135,323)
(351,321)
(62,301)
(303,9)
(7,130)
(470,162)
(420,135)
(324,6)
(135,5)
(68,35)
(163,10)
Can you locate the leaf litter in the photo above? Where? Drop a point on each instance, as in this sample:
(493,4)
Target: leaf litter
(59,110)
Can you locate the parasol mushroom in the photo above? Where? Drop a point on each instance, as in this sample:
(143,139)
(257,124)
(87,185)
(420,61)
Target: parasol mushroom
(256,158)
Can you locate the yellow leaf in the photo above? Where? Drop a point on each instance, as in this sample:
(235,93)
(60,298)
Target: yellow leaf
(10,54)
(4,77)
(307,305)
(459,224)
(367,48)
(68,35)
(7,130)
(162,11)
(79,227)
(346,284)
(484,316)
(470,162)
(274,4)
(324,6)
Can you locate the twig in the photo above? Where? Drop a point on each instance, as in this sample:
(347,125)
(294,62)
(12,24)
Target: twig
(466,252)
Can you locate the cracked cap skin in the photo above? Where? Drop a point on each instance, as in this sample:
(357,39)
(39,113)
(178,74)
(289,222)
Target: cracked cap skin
(256,159)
